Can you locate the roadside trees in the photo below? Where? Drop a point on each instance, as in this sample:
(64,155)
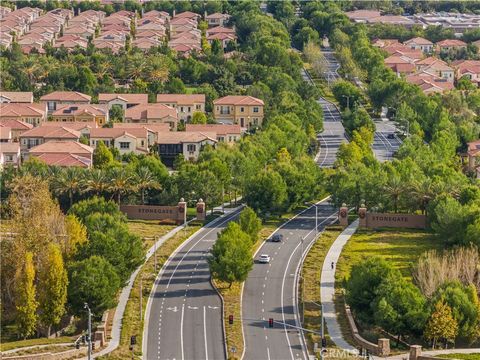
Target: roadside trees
(26,303)
(231,258)
(250,223)
(441,325)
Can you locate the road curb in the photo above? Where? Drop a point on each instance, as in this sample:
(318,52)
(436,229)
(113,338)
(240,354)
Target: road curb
(160,273)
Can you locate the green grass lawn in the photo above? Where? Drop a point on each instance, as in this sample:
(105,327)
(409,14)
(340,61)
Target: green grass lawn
(147,229)
(4,346)
(401,247)
(460,356)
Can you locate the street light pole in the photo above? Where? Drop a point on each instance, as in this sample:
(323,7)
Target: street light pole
(89,343)
(348,100)
(316,220)
(323,335)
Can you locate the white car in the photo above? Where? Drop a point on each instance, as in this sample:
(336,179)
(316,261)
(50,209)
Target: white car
(264,259)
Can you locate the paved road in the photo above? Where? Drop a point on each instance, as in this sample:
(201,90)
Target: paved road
(270,290)
(383,147)
(184,314)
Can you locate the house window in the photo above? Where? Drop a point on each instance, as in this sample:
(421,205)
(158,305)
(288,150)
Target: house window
(124,145)
(9,158)
(225,110)
(181,108)
(191,147)
(189,109)
(198,107)
(143,142)
(51,105)
(242,109)
(229,139)
(221,139)
(255,109)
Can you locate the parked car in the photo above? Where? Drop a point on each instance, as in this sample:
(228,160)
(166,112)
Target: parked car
(391,136)
(264,259)
(276,238)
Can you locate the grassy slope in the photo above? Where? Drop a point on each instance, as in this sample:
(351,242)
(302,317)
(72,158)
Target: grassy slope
(460,356)
(400,246)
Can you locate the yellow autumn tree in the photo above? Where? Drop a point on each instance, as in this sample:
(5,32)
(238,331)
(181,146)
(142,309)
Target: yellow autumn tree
(441,325)
(25,302)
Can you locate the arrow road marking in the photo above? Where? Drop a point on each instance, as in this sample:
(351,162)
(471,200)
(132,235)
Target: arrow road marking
(174,309)
(212,307)
(193,307)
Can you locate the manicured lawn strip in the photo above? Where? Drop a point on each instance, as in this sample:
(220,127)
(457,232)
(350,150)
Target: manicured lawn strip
(131,324)
(402,247)
(310,283)
(231,296)
(32,342)
(148,229)
(460,356)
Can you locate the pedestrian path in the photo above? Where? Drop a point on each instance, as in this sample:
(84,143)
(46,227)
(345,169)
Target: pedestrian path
(327,287)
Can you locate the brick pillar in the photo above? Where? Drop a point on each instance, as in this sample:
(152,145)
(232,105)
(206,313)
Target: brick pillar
(415,352)
(383,347)
(200,210)
(362,215)
(343,216)
(182,211)
(99,336)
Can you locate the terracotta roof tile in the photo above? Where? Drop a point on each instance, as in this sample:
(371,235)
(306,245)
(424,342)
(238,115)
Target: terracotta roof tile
(66,96)
(17,96)
(238,100)
(62,147)
(181,99)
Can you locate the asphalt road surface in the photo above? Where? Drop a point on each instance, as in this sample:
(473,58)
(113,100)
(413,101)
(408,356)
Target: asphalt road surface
(270,290)
(384,146)
(184,313)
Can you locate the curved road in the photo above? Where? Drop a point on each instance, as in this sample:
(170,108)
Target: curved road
(184,317)
(270,290)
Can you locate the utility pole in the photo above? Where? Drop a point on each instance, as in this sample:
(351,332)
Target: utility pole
(316,220)
(323,336)
(89,343)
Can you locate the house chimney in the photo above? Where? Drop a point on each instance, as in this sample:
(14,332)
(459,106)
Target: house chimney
(205,15)
(174,13)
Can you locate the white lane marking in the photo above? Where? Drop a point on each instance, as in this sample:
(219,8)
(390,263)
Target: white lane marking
(181,331)
(281,300)
(268,353)
(205,332)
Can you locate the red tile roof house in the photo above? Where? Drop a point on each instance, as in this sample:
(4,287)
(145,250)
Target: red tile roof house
(17,127)
(400,64)
(450,44)
(429,83)
(189,144)
(33,114)
(43,134)
(473,153)
(185,104)
(84,127)
(16,97)
(419,43)
(146,43)
(70,42)
(125,140)
(436,67)
(5,134)
(217,19)
(186,15)
(152,114)
(10,154)
(124,100)
(153,129)
(468,68)
(63,153)
(225,133)
(57,98)
(224,39)
(381,43)
(155,14)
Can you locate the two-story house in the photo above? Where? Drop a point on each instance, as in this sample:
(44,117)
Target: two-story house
(43,134)
(152,114)
(185,104)
(217,19)
(419,43)
(124,100)
(17,127)
(186,143)
(81,113)
(125,140)
(16,97)
(228,134)
(245,111)
(437,67)
(56,99)
(33,114)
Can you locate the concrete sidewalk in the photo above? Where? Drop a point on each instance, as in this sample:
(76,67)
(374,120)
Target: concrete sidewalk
(327,287)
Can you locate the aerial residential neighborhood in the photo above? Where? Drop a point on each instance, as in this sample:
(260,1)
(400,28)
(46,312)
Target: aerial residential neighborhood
(258,180)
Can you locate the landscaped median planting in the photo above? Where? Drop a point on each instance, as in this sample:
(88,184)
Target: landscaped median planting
(309,289)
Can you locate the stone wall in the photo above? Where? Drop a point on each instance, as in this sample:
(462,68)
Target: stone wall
(382,348)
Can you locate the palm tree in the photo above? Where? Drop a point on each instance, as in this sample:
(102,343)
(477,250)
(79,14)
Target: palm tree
(96,181)
(69,181)
(423,190)
(145,180)
(394,188)
(120,181)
